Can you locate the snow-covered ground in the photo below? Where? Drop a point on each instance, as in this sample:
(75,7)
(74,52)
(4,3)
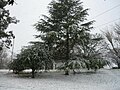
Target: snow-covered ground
(102,80)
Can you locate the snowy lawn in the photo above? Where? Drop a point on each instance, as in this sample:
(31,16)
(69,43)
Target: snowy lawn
(102,80)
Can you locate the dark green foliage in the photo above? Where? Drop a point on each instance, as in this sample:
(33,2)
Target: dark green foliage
(33,57)
(5,21)
(64,28)
(3,3)
(67,34)
(16,65)
(92,53)
(11,2)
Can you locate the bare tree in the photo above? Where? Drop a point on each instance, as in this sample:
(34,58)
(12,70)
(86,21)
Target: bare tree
(114,41)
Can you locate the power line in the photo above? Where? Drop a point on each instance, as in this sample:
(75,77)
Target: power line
(106,11)
(108,22)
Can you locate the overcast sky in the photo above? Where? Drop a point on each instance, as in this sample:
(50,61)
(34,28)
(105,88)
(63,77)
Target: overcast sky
(104,12)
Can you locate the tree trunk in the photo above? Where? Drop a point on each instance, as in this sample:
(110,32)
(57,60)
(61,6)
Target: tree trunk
(74,72)
(45,66)
(118,65)
(67,54)
(33,73)
(54,65)
(67,71)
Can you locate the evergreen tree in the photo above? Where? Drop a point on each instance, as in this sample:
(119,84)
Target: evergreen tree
(91,53)
(65,27)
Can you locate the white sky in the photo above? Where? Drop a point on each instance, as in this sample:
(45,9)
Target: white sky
(30,11)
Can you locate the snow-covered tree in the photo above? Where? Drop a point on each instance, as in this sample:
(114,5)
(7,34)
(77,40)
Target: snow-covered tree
(5,21)
(114,43)
(64,27)
(31,57)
